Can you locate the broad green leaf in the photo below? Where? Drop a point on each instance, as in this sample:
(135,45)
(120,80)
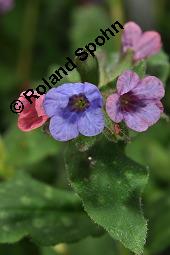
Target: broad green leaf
(158,65)
(24,148)
(49,216)
(110,186)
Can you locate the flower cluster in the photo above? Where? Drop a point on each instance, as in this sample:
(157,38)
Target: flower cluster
(77,108)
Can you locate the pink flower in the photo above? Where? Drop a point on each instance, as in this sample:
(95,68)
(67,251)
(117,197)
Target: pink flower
(33,116)
(137,102)
(143,44)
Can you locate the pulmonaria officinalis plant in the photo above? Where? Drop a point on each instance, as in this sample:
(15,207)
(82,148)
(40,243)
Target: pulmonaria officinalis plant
(108,183)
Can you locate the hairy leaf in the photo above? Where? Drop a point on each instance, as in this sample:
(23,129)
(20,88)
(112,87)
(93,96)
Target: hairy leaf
(30,146)
(49,216)
(110,186)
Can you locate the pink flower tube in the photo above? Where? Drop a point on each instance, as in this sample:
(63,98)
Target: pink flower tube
(143,44)
(33,116)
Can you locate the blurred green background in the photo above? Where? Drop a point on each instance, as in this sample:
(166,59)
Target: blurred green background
(35,37)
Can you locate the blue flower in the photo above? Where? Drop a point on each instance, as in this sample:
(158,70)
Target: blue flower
(74,108)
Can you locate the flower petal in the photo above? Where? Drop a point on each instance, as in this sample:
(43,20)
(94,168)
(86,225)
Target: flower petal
(93,94)
(27,106)
(113,108)
(54,100)
(127,81)
(91,123)
(150,88)
(63,129)
(69,89)
(39,106)
(59,97)
(160,105)
(144,118)
(32,121)
(149,44)
(131,35)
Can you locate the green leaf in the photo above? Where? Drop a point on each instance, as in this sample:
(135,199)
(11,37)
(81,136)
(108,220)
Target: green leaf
(49,216)
(158,65)
(110,186)
(25,148)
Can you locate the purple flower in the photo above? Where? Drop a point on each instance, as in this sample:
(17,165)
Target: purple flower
(137,102)
(5,5)
(74,108)
(143,44)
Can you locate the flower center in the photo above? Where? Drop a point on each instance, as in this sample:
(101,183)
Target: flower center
(130,102)
(78,103)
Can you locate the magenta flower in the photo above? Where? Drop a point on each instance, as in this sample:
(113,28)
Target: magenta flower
(143,44)
(6,5)
(33,116)
(137,102)
(74,108)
